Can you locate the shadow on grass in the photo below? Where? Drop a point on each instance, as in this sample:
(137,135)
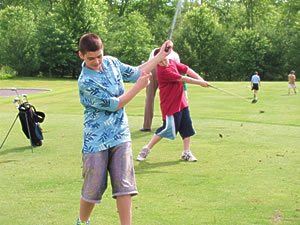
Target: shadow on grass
(146,167)
(287,95)
(8,161)
(11,150)
(139,134)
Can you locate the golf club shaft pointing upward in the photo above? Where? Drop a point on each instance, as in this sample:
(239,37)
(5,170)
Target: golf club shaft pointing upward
(174,21)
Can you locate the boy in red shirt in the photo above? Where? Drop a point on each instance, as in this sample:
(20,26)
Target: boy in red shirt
(174,106)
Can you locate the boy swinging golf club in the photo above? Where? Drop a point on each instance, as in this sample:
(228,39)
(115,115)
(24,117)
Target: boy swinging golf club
(107,142)
(174,106)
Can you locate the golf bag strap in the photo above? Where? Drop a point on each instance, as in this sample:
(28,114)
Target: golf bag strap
(38,116)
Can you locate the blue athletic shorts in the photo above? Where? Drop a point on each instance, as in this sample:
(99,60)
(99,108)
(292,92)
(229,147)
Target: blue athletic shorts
(179,122)
(116,161)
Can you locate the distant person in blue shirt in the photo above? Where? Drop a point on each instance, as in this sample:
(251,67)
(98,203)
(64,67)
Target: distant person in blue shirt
(107,142)
(255,84)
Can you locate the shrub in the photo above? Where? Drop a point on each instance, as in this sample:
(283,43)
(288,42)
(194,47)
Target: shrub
(7,73)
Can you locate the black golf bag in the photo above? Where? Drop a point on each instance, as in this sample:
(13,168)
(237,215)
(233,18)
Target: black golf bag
(30,119)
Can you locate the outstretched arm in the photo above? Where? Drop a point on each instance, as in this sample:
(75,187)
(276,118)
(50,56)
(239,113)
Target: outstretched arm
(191,80)
(193,74)
(194,78)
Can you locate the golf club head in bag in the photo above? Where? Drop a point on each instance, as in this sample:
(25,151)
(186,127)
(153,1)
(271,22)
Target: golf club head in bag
(30,119)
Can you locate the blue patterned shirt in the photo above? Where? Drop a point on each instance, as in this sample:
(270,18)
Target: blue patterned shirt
(104,127)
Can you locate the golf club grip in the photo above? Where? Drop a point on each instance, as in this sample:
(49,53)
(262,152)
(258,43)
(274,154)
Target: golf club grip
(166,49)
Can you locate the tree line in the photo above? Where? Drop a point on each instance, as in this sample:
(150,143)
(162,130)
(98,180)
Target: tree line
(220,39)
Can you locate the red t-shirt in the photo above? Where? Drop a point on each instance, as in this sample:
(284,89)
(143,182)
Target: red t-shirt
(171,91)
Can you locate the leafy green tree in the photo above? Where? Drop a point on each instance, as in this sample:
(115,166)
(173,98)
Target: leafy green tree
(273,29)
(161,33)
(80,16)
(56,46)
(118,7)
(36,6)
(150,8)
(248,53)
(18,48)
(212,36)
(61,29)
(130,39)
(293,58)
(290,9)
(196,40)
(157,13)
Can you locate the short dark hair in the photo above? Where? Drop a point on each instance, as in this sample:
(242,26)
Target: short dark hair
(90,43)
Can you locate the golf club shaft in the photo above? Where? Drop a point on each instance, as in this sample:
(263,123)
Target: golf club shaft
(15,89)
(9,130)
(230,93)
(174,21)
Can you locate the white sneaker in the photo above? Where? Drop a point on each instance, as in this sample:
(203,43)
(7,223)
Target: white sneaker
(143,154)
(188,157)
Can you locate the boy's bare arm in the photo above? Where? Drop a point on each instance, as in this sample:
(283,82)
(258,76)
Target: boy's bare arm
(143,80)
(141,83)
(191,80)
(193,74)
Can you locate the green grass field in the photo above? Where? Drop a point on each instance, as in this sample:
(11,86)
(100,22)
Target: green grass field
(250,176)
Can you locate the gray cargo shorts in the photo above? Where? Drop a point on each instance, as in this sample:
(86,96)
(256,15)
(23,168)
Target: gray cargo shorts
(118,162)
